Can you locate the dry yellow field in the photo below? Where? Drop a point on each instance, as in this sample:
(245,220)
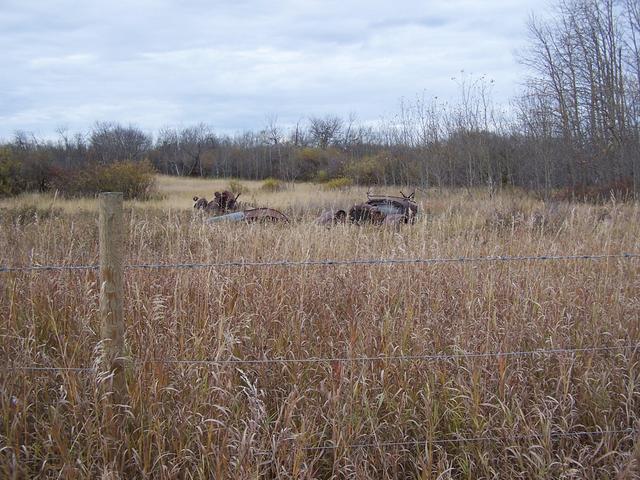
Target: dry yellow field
(176,193)
(449,417)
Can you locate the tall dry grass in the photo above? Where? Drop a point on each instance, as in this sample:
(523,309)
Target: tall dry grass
(267,420)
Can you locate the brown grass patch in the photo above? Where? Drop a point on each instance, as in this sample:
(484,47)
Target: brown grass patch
(264,420)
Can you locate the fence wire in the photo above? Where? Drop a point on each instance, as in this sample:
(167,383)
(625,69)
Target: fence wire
(461,439)
(327,262)
(382,358)
(400,358)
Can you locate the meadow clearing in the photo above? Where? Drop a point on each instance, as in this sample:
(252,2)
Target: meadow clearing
(454,416)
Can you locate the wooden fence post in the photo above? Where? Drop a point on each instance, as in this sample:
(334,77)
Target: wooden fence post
(112,292)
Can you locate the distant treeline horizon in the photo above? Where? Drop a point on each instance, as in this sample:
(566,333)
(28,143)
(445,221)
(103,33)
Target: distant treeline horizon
(575,125)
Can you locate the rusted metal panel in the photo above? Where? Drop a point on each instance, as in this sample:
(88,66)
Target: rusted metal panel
(331,217)
(386,207)
(365,213)
(265,214)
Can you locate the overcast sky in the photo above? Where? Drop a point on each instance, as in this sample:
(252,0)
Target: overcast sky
(234,64)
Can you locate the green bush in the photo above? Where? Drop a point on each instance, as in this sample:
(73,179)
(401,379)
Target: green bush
(318,165)
(367,170)
(133,179)
(272,185)
(339,183)
(309,161)
(321,176)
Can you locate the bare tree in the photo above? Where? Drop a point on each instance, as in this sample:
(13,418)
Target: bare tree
(583,69)
(193,142)
(272,133)
(168,158)
(350,132)
(110,142)
(71,149)
(298,135)
(325,131)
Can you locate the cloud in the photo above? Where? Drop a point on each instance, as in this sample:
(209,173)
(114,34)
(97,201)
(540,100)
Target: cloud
(233,63)
(70,60)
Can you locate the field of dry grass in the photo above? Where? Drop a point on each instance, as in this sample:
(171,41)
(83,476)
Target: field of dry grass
(474,417)
(176,193)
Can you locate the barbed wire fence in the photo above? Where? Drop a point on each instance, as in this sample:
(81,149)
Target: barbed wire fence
(462,439)
(329,360)
(111,269)
(327,262)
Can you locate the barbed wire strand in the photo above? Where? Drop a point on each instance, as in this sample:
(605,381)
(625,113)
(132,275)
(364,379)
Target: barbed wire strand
(305,263)
(35,368)
(388,358)
(401,358)
(581,433)
(45,268)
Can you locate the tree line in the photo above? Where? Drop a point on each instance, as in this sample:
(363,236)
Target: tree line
(575,125)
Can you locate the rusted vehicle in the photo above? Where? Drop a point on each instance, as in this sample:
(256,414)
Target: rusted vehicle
(200,203)
(223,202)
(331,217)
(385,209)
(392,205)
(252,215)
(365,213)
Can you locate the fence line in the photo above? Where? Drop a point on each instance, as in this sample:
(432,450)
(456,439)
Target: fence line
(387,358)
(35,368)
(328,262)
(401,358)
(407,443)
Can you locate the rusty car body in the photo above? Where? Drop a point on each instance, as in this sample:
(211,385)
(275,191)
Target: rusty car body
(385,210)
(223,202)
(331,217)
(365,213)
(200,203)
